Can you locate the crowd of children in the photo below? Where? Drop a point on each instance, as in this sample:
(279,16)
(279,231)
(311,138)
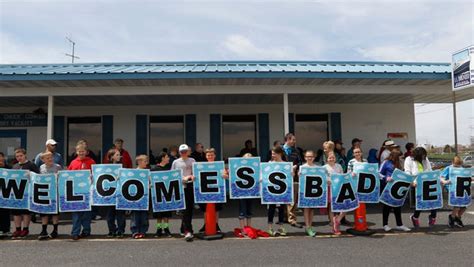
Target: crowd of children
(331,157)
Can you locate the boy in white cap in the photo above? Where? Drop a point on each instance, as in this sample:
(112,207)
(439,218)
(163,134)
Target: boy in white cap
(185,163)
(51,147)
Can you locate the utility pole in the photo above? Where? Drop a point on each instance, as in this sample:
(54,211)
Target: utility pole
(72,55)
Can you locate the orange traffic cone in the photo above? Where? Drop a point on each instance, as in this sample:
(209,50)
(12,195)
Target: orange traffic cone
(360,222)
(210,231)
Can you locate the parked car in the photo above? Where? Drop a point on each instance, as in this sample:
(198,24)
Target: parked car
(468,161)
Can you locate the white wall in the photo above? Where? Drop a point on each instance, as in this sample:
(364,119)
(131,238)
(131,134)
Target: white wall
(370,122)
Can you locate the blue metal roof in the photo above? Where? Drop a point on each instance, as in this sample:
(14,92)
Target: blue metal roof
(226,69)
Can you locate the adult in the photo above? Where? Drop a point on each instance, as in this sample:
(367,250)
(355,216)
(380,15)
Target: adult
(51,145)
(385,150)
(248,149)
(198,154)
(356,143)
(293,155)
(126,159)
(340,153)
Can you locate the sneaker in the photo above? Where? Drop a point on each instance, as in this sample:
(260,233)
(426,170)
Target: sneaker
(43,236)
(141,235)
(24,233)
(282,231)
(119,235)
(403,228)
(159,232)
(451,221)
(271,232)
(2,234)
(387,228)
(84,235)
(415,221)
(296,225)
(431,221)
(54,234)
(75,237)
(188,236)
(110,235)
(16,234)
(167,232)
(136,236)
(310,232)
(335,226)
(458,222)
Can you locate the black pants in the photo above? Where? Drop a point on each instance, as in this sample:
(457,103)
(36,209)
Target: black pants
(281,213)
(386,212)
(186,223)
(5,220)
(418,212)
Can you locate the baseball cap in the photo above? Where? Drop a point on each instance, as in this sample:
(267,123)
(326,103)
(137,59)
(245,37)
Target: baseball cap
(183,147)
(51,142)
(389,143)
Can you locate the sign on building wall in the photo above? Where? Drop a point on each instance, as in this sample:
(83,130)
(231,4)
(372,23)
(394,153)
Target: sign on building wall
(463,68)
(23,120)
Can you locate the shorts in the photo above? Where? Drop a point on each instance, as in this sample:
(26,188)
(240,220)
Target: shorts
(203,206)
(16,212)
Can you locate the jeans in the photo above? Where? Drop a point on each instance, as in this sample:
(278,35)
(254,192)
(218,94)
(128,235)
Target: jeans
(281,213)
(81,218)
(139,221)
(115,215)
(245,208)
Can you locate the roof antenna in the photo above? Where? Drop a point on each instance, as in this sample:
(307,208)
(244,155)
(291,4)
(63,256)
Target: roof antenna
(72,55)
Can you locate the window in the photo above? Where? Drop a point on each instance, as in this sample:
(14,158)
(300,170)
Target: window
(311,131)
(236,129)
(165,131)
(89,129)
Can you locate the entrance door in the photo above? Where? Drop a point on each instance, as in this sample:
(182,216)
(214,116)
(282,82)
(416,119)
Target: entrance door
(9,140)
(311,131)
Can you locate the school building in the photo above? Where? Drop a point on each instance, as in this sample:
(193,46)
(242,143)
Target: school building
(152,106)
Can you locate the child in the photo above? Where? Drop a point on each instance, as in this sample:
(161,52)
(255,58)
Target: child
(162,218)
(81,218)
(115,230)
(309,156)
(333,167)
(387,167)
(185,163)
(22,216)
(139,218)
(413,165)
(454,219)
(357,157)
(211,157)
(49,167)
(245,208)
(278,155)
(4,213)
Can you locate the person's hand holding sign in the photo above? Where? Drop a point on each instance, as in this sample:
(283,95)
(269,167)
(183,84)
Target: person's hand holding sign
(389,179)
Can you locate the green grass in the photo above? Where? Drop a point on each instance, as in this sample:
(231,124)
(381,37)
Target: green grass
(446,156)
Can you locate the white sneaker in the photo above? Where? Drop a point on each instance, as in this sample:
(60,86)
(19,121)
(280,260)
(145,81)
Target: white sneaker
(387,228)
(403,228)
(188,237)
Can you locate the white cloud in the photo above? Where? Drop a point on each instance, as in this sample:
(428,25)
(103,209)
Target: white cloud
(240,46)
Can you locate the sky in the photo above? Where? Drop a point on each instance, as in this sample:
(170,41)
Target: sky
(119,31)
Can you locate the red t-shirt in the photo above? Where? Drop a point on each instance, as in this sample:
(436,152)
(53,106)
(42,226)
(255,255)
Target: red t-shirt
(81,164)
